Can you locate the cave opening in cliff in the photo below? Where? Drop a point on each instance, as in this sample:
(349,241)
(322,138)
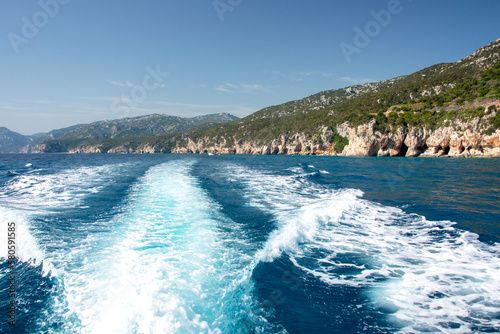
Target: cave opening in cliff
(446,150)
(403,150)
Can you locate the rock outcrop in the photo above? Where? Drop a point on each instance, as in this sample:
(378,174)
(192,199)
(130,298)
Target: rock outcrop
(363,140)
(457,138)
(366,140)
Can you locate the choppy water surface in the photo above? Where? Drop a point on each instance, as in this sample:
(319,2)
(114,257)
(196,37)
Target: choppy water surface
(250,244)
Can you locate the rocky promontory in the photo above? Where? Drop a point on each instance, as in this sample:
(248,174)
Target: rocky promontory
(364,140)
(456,138)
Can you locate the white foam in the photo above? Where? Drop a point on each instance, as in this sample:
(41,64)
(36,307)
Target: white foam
(165,268)
(428,275)
(312,219)
(33,193)
(67,188)
(26,245)
(276,193)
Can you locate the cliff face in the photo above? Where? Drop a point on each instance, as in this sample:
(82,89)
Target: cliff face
(364,140)
(456,139)
(445,141)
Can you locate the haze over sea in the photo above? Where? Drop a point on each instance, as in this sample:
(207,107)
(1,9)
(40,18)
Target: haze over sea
(250,244)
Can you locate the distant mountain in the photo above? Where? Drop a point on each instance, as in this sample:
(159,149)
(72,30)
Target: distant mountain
(136,127)
(107,133)
(11,141)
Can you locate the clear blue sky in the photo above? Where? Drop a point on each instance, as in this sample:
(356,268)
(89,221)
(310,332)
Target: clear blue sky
(85,57)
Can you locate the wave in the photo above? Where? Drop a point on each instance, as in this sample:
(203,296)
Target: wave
(37,190)
(170,260)
(424,275)
(27,246)
(167,266)
(33,193)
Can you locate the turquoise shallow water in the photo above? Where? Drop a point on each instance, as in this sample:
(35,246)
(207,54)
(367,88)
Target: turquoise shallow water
(250,244)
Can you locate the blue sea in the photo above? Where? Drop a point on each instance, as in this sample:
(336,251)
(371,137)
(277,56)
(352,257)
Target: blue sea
(250,244)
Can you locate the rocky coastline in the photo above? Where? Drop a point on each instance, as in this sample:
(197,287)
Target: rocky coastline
(364,141)
(457,139)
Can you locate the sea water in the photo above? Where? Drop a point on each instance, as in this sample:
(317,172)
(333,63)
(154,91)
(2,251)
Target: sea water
(250,244)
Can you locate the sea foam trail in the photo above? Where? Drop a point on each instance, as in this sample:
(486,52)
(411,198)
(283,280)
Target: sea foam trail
(37,191)
(425,276)
(166,267)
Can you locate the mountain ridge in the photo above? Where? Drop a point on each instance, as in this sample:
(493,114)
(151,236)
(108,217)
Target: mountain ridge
(105,132)
(11,141)
(444,109)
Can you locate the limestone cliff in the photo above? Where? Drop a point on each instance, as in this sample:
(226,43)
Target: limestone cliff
(457,139)
(460,139)
(364,140)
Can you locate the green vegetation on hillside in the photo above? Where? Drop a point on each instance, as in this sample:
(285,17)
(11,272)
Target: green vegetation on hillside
(128,131)
(439,109)
(429,98)
(440,95)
